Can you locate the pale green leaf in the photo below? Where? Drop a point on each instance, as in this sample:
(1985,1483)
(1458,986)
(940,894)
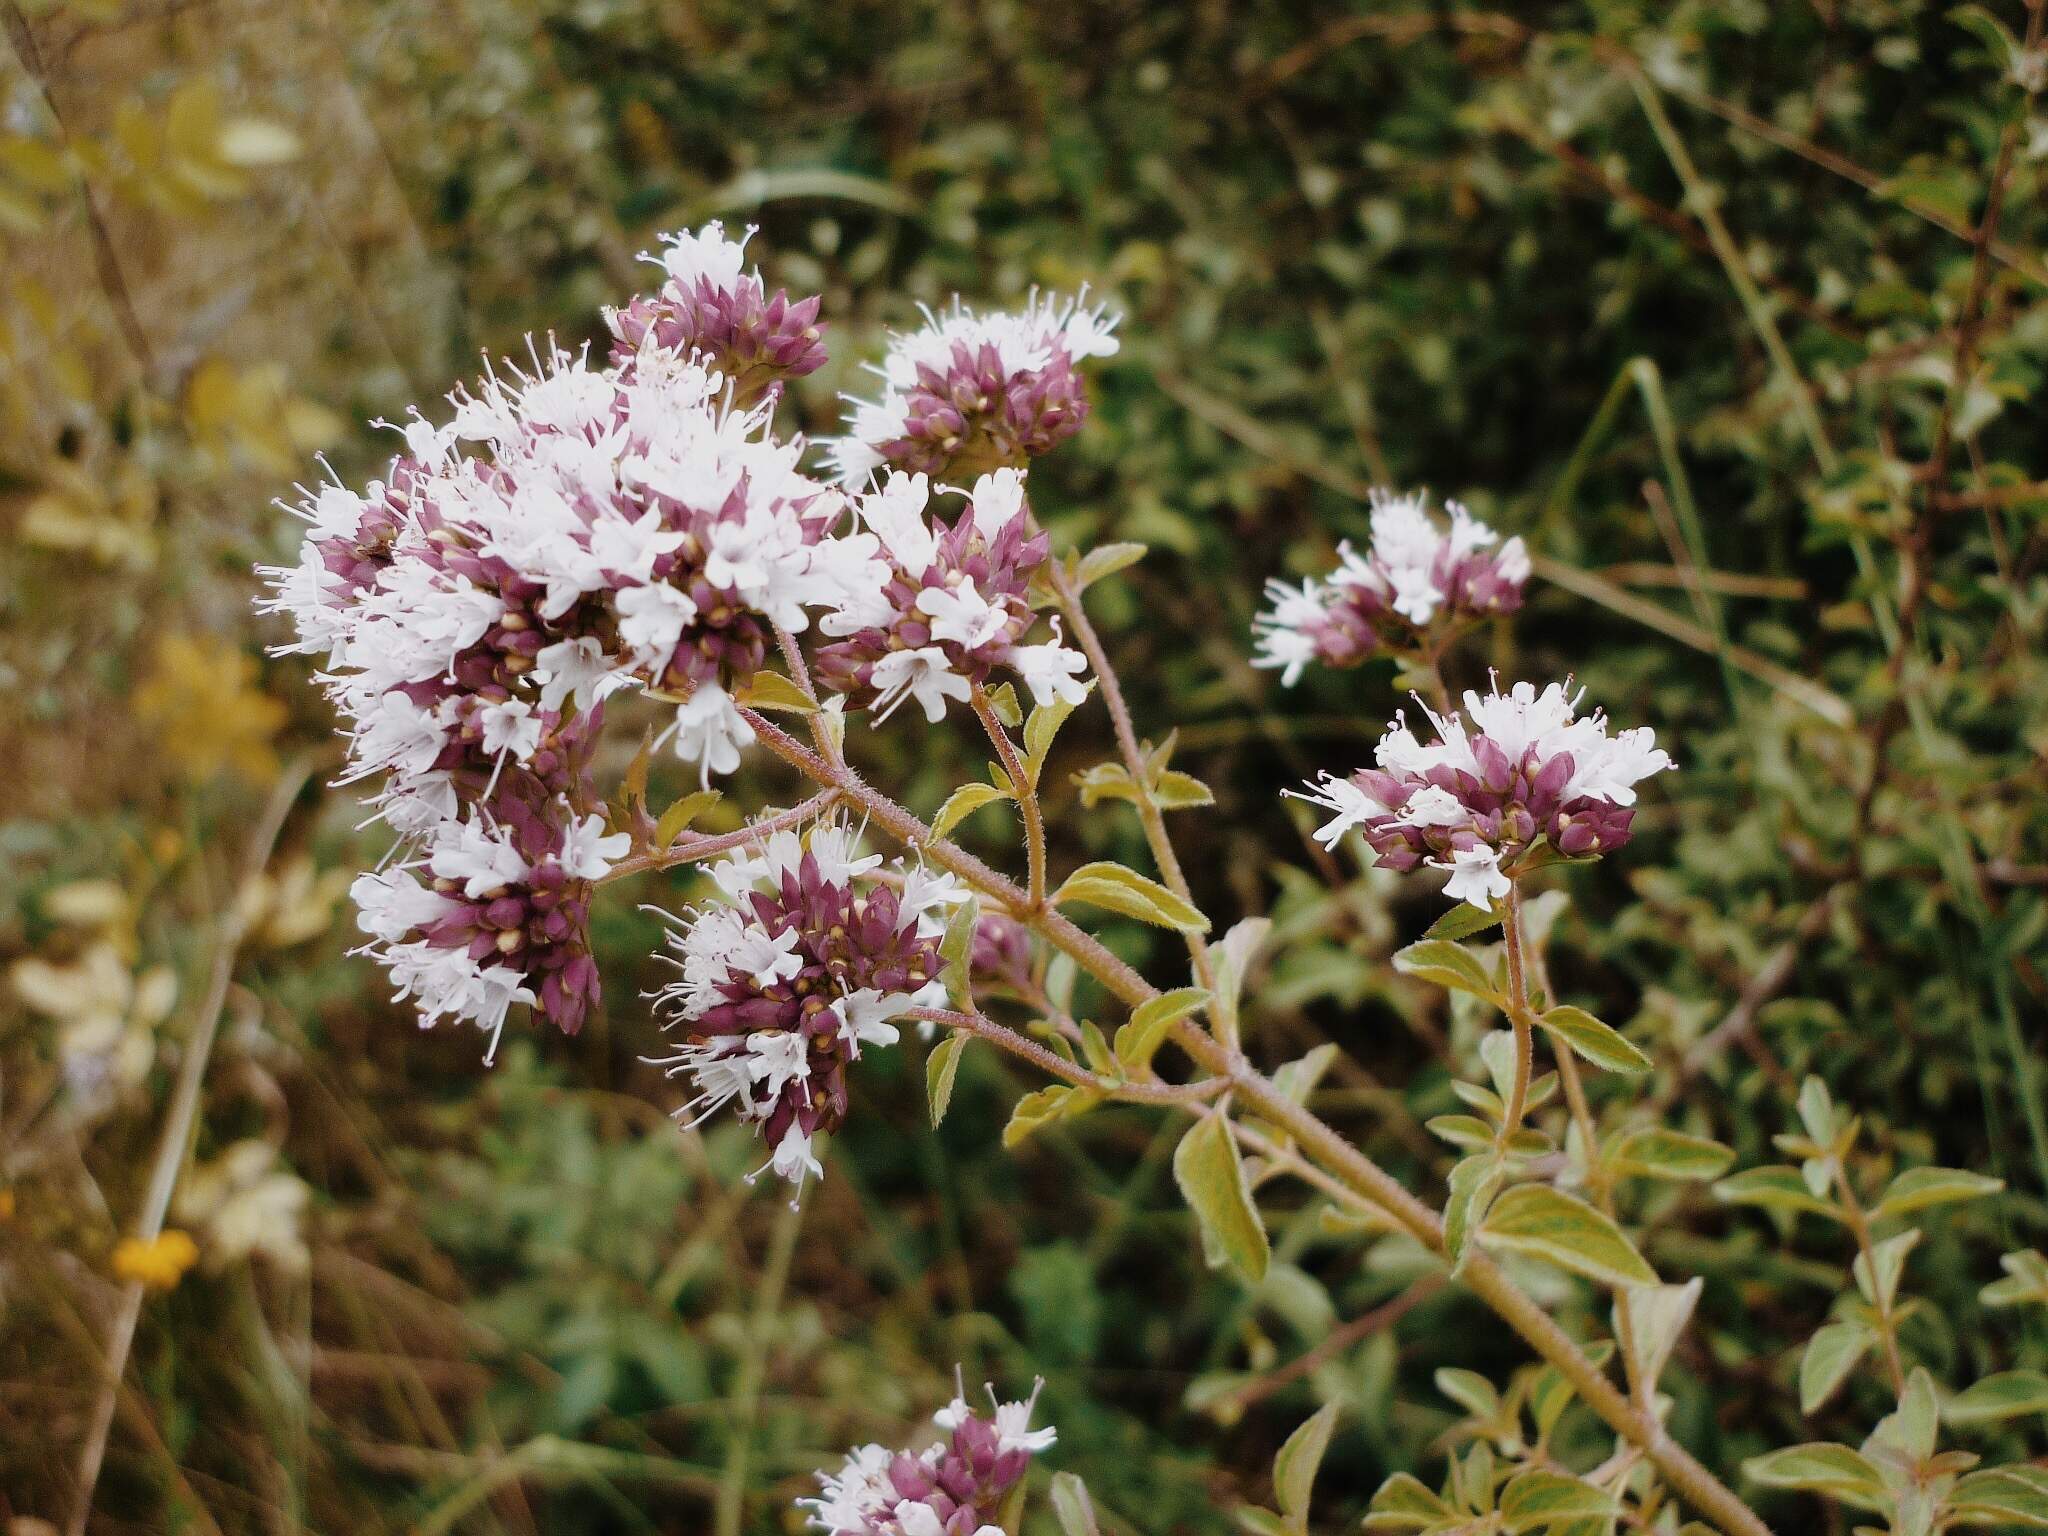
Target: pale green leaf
(940,1068)
(1537,1500)
(1294,1468)
(1918,1188)
(1539,1222)
(2007,1395)
(1139,1039)
(1122,890)
(1599,1043)
(1211,1179)
(1461,922)
(1819,1467)
(964,802)
(1072,1507)
(1655,1153)
(680,816)
(1776,1188)
(1447,965)
(1831,1354)
(772,691)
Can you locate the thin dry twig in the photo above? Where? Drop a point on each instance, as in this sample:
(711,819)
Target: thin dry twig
(179,1122)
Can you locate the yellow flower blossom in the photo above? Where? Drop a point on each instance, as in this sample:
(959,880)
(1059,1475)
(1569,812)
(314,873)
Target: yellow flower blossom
(202,697)
(159,1262)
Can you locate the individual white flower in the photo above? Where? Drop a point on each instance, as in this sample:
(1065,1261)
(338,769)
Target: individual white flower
(651,623)
(961,614)
(1475,877)
(478,857)
(1051,672)
(710,731)
(588,851)
(922,673)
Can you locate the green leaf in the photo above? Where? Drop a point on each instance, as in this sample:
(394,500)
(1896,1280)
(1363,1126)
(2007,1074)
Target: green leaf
(1469,1390)
(1003,700)
(1448,965)
(2026,1279)
(1138,1040)
(1461,922)
(677,819)
(1233,957)
(1122,890)
(1540,1222)
(1294,1468)
(1045,1105)
(1072,1507)
(1211,1179)
(1655,1153)
(1106,560)
(956,953)
(1177,791)
(1105,781)
(1831,1354)
(1911,1429)
(1467,1132)
(1918,1188)
(1473,1185)
(964,802)
(1820,1467)
(1538,1500)
(1597,1042)
(2016,1495)
(1880,1285)
(1404,1503)
(1657,1315)
(1776,1188)
(2007,1395)
(1039,730)
(772,691)
(940,1068)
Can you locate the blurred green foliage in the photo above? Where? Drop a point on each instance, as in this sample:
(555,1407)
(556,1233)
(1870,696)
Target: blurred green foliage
(1685,294)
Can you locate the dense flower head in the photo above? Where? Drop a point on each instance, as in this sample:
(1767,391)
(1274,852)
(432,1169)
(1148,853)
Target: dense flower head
(710,306)
(604,528)
(969,392)
(493,908)
(1419,576)
(1473,801)
(807,957)
(954,1488)
(951,604)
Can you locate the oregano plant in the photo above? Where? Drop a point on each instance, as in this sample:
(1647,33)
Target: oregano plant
(588,535)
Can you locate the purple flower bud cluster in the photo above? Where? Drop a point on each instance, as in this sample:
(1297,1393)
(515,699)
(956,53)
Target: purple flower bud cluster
(1472,803)
(952,606)
(971,392)
(957,1487)
(1418,582)
(1001,952)
(804,961)
(713,308)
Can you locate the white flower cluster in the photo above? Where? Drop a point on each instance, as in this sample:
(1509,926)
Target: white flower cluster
(976,388)
(953,604)
(803,962)
(609,527)
(953,1488)
(1417,575)
(1471,801)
